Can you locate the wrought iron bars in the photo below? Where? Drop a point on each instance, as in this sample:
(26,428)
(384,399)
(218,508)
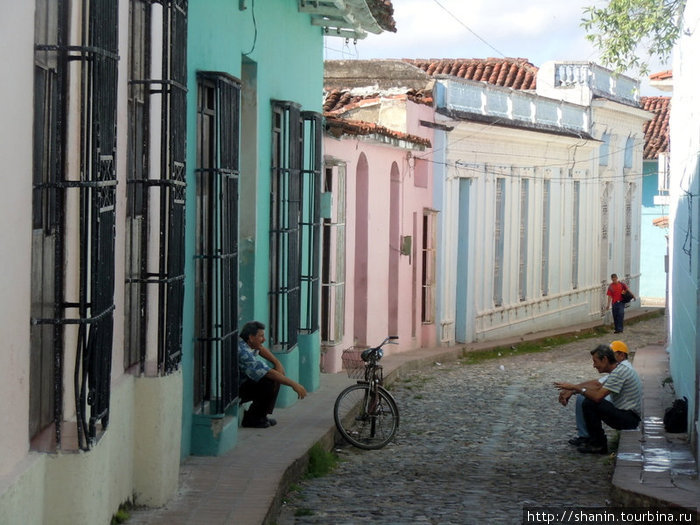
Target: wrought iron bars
(310,221)
(216,286)
(164,193)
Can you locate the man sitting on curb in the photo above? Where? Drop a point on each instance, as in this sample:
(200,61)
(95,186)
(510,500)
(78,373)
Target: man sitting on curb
(621,413)
(621,356)
(260,382)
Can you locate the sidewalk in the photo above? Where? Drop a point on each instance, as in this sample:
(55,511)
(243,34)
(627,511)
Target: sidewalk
(653,467)
(246,486)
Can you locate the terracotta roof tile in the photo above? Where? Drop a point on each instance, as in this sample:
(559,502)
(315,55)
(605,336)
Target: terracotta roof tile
(661,222)
(383,13)
(662,75)
(656,130)
(516,73)
(340,100)
(339,127)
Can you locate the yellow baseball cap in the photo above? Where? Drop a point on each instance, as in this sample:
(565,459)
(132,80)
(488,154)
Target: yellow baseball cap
(619,346)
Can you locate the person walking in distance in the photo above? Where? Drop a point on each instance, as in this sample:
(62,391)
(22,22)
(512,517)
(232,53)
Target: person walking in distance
(614,293)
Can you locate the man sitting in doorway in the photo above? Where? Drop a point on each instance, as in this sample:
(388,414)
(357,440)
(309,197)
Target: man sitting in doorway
(259,381)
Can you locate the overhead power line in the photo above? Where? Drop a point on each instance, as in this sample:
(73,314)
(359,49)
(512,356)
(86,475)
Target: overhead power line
(467,27)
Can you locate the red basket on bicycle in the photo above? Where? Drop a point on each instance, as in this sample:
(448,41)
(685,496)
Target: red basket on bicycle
(353,363)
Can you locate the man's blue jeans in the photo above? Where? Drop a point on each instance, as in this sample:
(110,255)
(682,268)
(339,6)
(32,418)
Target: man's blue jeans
(604,411)
(580,422)
(618,313)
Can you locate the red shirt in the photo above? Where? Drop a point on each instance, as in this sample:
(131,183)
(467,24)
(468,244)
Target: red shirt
(615,291)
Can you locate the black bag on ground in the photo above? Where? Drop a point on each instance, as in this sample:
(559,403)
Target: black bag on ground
(676,417)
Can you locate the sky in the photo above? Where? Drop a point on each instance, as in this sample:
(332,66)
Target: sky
(539,30)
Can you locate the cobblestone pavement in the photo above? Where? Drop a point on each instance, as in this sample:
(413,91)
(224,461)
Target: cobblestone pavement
(476,444)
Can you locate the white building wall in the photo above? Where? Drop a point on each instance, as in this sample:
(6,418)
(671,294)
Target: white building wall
(483,154)
(17,27)
(559,149)
(621,122)
(139,454)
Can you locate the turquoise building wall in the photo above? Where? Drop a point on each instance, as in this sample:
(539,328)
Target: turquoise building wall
(280,55)
(653,239)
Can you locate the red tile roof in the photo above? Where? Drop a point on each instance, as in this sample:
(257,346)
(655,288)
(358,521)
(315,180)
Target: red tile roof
(341,100)
(516,73)
(383,13)
(656,130)
(662,75)
(339,127)
(661,222)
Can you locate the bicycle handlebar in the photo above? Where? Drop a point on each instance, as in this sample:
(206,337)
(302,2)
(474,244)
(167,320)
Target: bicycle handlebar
(376,353)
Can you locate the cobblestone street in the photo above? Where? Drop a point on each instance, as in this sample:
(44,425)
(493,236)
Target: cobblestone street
(476,444)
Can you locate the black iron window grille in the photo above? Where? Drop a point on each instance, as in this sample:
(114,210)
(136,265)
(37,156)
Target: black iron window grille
(285,220)
(76,210)
(310,221)
(216,286)
(156,193)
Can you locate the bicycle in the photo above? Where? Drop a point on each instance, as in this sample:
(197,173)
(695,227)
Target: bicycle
(366,414)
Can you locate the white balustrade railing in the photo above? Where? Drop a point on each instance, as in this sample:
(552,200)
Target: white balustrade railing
(601,81)
(478,98)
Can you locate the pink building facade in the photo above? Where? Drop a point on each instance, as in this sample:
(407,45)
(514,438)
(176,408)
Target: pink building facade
(378,257)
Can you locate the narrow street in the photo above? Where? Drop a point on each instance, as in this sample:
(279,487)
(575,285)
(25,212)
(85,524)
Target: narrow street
(476,444)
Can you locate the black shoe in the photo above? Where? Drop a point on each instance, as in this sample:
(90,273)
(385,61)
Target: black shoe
(617,332)
(578,441)
(256,423)
(594,448)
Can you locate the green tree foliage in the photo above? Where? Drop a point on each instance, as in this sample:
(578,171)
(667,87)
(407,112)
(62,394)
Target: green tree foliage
(629,32)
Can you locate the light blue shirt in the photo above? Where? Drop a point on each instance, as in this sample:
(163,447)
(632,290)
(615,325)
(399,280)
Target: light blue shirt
(250,366)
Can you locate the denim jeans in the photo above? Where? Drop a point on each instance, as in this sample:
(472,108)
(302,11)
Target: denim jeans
(596,413)
(580,422)
(618,313)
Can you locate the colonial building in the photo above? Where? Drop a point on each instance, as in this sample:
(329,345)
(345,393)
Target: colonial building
(379,238)
(175,157)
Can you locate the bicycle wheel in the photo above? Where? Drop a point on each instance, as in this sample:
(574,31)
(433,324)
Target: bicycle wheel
(366,420)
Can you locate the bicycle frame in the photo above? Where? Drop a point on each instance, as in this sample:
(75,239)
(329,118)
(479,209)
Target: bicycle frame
(375,418)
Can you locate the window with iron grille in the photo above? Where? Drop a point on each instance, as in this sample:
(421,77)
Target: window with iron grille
(546,207)
(522,264)
(499,242)
(285,220)
(216,252)
(85,312)
(333,263)
(310,227)
(156,191)
(429,261)
(575,232)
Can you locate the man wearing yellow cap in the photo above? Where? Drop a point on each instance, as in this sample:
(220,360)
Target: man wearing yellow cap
(622,357)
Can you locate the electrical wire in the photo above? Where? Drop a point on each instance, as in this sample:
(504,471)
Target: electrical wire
(255,28)
(467,27)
